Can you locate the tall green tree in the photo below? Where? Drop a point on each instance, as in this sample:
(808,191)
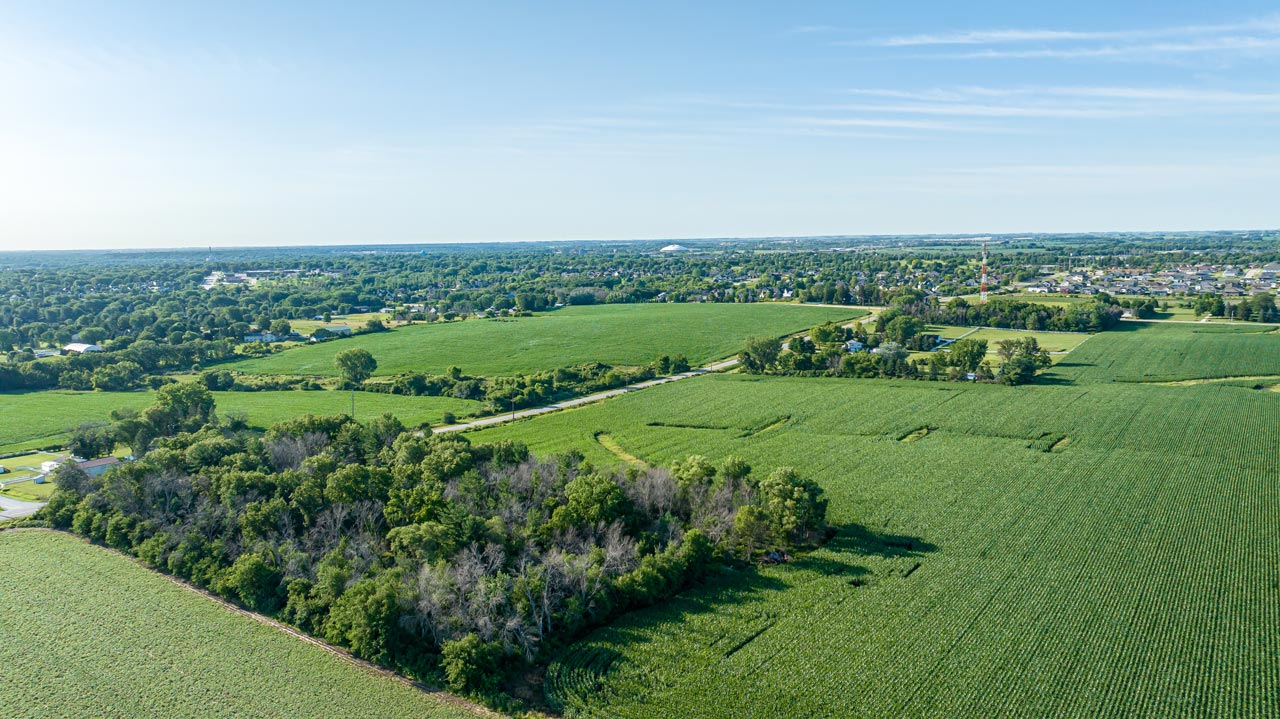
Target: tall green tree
(760,354)
(967,354)
(355,364)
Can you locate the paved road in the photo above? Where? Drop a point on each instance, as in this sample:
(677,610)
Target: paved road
(1204,321)
(14,508)
(521,414)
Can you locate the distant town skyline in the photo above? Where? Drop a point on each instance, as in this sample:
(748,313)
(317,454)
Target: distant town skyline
(132,125)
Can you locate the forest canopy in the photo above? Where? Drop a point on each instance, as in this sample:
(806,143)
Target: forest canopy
(428,554)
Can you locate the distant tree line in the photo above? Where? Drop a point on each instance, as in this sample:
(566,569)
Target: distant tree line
(1257,308)
(132,367)
(1094,316)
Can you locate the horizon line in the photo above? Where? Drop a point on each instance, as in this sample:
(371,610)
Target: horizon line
(705,238)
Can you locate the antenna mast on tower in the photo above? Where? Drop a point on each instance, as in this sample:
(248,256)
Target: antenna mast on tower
(982,297)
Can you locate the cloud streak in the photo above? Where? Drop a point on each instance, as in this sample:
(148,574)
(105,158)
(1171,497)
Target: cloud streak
(1009,36)
(1247,44)
(1065,102)
(1253,38)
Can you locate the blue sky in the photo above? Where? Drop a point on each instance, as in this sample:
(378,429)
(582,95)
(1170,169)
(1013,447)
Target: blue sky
(184,124)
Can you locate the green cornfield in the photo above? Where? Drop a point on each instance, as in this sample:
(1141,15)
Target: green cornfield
(1093,545)
(88,633)
(634,334)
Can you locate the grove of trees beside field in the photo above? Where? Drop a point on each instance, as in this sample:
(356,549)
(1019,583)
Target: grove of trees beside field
(429,554)
(885,355)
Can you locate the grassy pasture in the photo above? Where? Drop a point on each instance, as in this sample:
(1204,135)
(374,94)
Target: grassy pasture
(614,334)
(355,321)
(28,491)
(266,408)
(1051,299)
(87,632)
(948,332)
(1174,312)
(1051,341)
(41,418)
(17,465)
(1075,548)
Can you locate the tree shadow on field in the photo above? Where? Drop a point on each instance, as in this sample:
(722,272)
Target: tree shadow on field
(1049,380)
(748,600)
(858,539)
(731,589)
(829,567)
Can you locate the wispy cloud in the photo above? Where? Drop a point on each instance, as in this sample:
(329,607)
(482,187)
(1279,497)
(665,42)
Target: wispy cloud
(1257,37)
(1015,35)
(892,114)
(1067,102)
(893,123)
(1246,44)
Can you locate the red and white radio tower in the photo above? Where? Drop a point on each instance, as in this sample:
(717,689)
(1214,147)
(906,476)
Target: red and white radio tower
(982,297)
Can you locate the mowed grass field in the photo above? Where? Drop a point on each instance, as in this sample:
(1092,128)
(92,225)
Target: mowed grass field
(1076,548)
(1050,341)
(39,418)
(613,334)
(1042,298)
(355,321)
(88,633)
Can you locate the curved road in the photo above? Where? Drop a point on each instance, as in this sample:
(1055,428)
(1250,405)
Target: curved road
(533,412)
(15,508)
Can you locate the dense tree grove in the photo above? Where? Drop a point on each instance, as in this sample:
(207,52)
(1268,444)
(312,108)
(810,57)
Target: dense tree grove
(1012,314)
(425,553)
(1258,308)
(528,390)
(834,351)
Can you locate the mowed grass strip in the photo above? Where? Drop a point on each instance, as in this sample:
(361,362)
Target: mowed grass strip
(89,633)
(39,418)
(614,334)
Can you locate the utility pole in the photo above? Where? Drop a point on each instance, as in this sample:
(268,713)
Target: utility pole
(353,403)
(982,296)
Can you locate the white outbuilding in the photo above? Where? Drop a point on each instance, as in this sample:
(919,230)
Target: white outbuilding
(81,348)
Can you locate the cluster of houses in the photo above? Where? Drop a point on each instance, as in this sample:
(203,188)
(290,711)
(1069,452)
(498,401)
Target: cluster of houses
(249,278)
(1225,280)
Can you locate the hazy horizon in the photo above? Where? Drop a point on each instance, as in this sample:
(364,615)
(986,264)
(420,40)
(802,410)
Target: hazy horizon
(147,125)
(960,236)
